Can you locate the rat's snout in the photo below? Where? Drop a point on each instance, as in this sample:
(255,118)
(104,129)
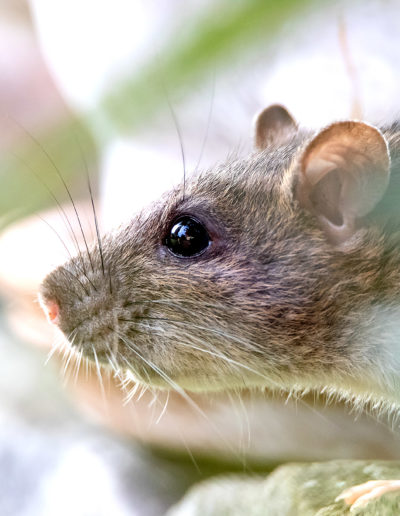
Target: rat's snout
(82,306)
(51,309)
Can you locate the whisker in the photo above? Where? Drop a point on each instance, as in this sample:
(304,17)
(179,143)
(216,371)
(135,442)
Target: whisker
(58,346)
(208,124)
(99,376)
(144,389)
(213,353)
(58,172)
(125,382)
(205,328)
(178,131)
(182,308)
(245,418)
(58,235)
(93,206)
(161,373)
(268,379)
(153,400)
(112,362)
(133,369)
(163,410)
(178,389)
(71,273)
(226,359)
(78,365)
(50,354)
(132,393)
(221,333)
(188,450)
(70,352)
(79,281)
(86,368)
(96,223)
(62,212)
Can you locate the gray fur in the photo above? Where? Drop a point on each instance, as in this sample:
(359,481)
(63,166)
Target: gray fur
(270,303)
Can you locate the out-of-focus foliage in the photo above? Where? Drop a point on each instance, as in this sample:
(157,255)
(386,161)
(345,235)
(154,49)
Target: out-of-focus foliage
(33,173)
(224,32)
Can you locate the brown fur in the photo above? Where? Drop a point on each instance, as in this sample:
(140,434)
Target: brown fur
(271,302)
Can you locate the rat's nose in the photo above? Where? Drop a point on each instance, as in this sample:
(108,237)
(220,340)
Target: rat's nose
(51,309)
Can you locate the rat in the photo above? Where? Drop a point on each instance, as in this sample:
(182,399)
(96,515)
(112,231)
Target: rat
(280,270)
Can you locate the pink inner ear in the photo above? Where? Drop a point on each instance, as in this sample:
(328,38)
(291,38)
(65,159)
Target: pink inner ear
(344,174)
(325,197)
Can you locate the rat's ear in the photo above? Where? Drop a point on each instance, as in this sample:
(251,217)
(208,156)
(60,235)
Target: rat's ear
(274,125)
(344,172)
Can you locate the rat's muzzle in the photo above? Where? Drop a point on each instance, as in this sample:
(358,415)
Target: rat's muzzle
(51,309)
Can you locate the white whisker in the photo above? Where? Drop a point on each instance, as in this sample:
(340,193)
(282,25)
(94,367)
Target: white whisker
(177,388)
(164,409)
(99,376)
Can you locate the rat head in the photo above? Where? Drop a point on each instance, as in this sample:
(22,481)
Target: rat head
(256,273)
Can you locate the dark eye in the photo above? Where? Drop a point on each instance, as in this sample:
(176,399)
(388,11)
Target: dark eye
(187,237)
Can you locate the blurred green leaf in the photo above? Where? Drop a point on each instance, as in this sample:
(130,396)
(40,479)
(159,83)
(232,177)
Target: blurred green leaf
(226,30)
(32,172)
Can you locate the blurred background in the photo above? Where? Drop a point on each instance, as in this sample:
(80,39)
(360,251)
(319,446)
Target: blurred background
(121,90)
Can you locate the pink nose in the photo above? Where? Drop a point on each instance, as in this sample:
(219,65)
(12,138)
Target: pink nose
(51,310)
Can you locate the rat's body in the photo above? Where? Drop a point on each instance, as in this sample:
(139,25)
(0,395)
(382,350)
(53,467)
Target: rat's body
(296,288)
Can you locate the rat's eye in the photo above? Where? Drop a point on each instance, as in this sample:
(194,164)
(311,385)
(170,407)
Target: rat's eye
(187,237)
